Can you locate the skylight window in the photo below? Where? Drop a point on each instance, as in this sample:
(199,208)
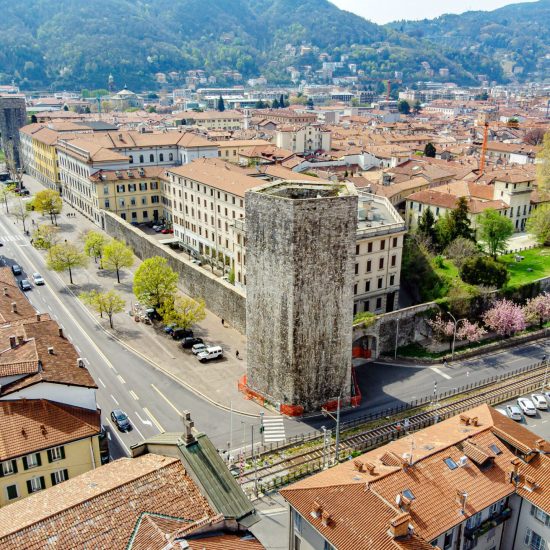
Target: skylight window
(451,464)
(409,494)
(495,449)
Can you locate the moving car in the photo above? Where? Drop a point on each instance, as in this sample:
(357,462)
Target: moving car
(527,406)
(514,412)
(210,353)
(121,420)
(25,284)
(38,279)
(198,348)
(539,401)
(16,269)
(190,341)
(180,333)
(166,231)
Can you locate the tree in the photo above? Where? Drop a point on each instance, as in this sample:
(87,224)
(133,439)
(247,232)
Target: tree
(460,250)
(444,230)
(6,194)
(183,311)
(275,104)
(426,225)
(282,102)
(534,136)
(442,330)
(538,224)
(66,257)
(45,236)
(260,104)
(309,103)
(472,332)
(109,302)
(404,107)
(505,318)
(543,165)
(94,244)
(116,255)
(20,213)
(537,310)
(48,202)
(494,231)
(155,282)
(430,150)
(221,104)
(484,271)
(417,107)
(461,220)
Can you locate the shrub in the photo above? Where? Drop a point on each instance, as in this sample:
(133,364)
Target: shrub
(484,271)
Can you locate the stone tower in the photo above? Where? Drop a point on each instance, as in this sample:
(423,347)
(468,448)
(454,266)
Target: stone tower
(13,115)
(299,305)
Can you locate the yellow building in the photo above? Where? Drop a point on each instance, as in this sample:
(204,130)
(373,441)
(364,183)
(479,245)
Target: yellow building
(44,443)
(231,149)
(135,195)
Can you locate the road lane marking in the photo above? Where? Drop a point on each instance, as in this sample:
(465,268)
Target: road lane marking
(155,421)
(137,430)
(441,373)
(115,431)
(101,382)
(78,349)
(122,381)
(114,399)
(146,422)
(165,398)
(134,395)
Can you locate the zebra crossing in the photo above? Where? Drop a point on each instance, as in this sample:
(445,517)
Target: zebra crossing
(11,238)
(274,429)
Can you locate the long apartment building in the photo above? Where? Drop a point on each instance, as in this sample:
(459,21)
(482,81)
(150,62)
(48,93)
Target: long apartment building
(207,203)
(477,480)
(49,421)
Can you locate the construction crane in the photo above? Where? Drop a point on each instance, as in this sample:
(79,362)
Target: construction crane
(483,148)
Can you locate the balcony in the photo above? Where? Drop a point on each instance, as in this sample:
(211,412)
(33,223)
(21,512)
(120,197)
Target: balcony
(494,521)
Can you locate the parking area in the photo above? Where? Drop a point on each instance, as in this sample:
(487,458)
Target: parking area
(538,424)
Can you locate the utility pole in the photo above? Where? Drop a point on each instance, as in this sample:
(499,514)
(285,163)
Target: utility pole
(337,420)
(254,461)
(545,357)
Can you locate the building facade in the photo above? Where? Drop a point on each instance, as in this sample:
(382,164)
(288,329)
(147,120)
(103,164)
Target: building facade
(13,115)
(303,139)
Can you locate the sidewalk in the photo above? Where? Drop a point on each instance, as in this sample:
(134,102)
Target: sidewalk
(215,381)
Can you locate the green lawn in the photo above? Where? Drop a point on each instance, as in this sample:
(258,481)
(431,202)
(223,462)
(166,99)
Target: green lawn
(448,273)
(537,260)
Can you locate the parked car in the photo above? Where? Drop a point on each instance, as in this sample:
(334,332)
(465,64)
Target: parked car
(153,314)
(25,284)
(527,406)
(38,279)
(103,446)
(196,262)
(210,353)
(166,231)
(539,401)
(514,412)
(501,411)
(158,228)
(199,348)
(22,191)
(16,269)
(190,341)
(179,333)
(121,420)
(169,328)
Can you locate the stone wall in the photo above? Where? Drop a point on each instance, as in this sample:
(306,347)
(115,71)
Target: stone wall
(220,297)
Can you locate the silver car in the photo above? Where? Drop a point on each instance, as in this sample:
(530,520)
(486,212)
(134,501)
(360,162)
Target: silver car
(539,401)
(197,348)
(526,405)
(514,412)
(38,279)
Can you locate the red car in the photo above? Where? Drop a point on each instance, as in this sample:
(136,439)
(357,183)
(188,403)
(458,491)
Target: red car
(166,231)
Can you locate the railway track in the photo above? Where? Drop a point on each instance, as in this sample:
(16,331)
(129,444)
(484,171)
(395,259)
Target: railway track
(287,469)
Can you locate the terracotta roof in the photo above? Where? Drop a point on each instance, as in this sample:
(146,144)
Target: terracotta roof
(11,294)
(218,174)
(225,542)
(17,355)
(101,508)
(30,425)
(149,172)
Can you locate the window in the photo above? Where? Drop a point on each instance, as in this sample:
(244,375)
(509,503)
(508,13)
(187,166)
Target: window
(395,242)
(369,247)
(32,461)
(448,541)
(120,188)
(393,260)
(59,476)
(382,245)
(367,286)
(161,157)
(357,249)
(451,464)
(381,263)
(154,185)
(369,266)
(171,157)
(105,189)
(392,280)
(354,290)
(155,199)
(12,492)
(131,159)
(143,186)
(151,158)
(121,202)
(327,546)
(297,542)
(57,453)
(378,303)
(144,201)
(297,522)
(134,215)
(35,484)
(539,515)
(107,203)
(366,305)
(131,187)
(534,541)
(380,282)
(141,158)
(8,467)
(356,269)
(133,201)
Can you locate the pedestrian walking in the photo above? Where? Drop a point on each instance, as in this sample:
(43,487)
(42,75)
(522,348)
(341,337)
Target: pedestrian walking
(237,354)
(445,362)
(223,323)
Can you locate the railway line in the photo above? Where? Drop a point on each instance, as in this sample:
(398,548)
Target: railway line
(275,470)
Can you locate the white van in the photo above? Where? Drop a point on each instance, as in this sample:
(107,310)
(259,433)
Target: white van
(212,352)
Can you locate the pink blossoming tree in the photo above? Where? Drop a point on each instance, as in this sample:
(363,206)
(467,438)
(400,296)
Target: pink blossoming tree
(505,318)
(537,310)
(470,331)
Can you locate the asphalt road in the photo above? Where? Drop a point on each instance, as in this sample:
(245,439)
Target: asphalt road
(151,398)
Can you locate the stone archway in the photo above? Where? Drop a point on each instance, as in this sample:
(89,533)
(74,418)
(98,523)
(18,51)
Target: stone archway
(365,347)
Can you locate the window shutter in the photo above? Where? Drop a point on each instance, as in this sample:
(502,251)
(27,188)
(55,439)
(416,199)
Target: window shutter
(52,475)
(29,486)
(62,452)
(65,474)
(42,482)
(1,470)
(14,462)
(50,455)
(25,464)
(527,536)
(39,459)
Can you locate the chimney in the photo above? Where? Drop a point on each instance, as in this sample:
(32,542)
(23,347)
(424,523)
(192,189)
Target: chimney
(405,503)
(326,518)
(316,509)
(60,331)
(50,350)
(38,316)
(540,445)
(20,340)
(80,362)
(358,465)
(516,463)
(399,525)
(530,484)
(474,421)
(370,468)
(13,340)
(188,425)
(461,497)
(464,419)
(14,307)
(43,429)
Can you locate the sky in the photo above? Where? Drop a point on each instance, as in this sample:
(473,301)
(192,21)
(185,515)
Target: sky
(392,10)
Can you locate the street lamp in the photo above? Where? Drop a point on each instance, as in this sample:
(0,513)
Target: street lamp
(545,358)
(337,420)
(455,322)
